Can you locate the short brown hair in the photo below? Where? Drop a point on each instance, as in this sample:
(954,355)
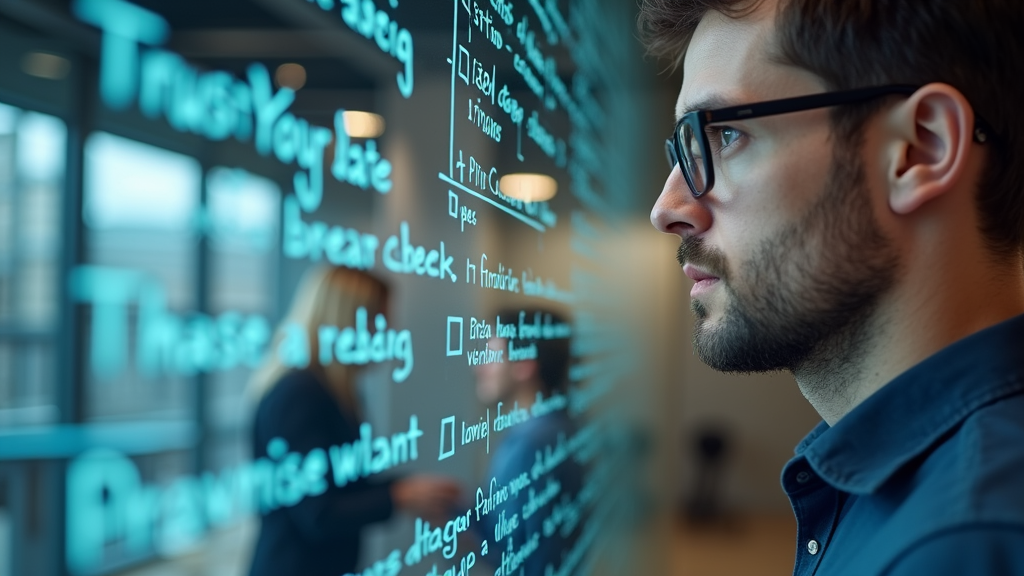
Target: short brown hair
(975,46)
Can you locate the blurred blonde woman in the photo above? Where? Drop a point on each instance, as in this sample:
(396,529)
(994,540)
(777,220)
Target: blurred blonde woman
(317,407)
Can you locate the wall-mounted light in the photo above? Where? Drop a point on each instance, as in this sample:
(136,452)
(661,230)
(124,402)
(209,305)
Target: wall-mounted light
(290,75)
(363,124)
(528,187)
(45,65)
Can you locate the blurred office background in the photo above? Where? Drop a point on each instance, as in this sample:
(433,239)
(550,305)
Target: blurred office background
(85,187)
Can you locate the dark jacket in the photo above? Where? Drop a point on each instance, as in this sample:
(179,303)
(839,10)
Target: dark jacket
(319,535)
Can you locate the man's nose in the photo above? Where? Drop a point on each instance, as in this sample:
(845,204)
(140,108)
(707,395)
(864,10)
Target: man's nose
(677,211)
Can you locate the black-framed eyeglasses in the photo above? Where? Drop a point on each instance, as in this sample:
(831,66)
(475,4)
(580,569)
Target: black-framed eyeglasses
(690,148)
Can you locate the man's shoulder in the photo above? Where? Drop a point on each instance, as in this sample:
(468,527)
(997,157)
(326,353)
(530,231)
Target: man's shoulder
(974,474)
(971,479)
(965,486)
(979,469)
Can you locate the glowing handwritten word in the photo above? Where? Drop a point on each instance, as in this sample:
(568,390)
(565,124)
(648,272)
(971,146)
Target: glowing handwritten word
(217,106)
(485,123)
(166,343)
(485,504)
(476,74)
(543,64)
(504,330)
(371,455)
(403,257)
(539,134)
(430,540)
(356,345)
(486,356)
(512,559)
(542,327)
(509,419)
(488,179)
(482,178)
(474,432)
(504,9)
(483,20)
(523,67)
(479,329)
(461,568)
(340,246)
(518,354)
(552,403)
(359,165)
(363,17)
(503,279)
(510,105)
(545,22)
(504,526)
(537,501)
(108,503)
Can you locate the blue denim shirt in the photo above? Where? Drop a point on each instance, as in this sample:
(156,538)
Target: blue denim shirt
(926,476)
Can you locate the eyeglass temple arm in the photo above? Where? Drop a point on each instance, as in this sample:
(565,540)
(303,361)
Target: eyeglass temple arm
(786,105)
(982,130)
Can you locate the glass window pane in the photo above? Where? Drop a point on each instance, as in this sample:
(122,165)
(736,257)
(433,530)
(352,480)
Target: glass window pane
(32,155)
(27,384)
(243,211)
(140,207)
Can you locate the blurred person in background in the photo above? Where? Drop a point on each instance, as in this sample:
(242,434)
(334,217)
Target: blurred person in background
(848,184)
(317,407)
(519,384)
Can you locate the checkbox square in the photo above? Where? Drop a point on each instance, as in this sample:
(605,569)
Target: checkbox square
(453,204)
(448,422)
(454,325)
(464,57)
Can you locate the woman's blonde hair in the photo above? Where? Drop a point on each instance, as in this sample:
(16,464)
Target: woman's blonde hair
(329,296)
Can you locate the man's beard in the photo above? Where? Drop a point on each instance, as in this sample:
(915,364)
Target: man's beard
(805,298)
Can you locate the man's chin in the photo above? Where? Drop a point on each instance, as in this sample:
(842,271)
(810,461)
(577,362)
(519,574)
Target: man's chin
(704,311)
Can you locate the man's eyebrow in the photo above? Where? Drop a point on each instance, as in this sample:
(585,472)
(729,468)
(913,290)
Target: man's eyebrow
(709,102)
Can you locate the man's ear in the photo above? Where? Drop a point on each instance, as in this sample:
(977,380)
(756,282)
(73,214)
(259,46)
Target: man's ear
(932,136)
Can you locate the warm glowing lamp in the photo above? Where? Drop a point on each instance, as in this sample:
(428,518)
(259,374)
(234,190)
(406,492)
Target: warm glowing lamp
(363,124)
(290,75)
(45,65)
(528,187)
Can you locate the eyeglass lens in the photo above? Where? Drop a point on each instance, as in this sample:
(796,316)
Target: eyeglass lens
(693,159)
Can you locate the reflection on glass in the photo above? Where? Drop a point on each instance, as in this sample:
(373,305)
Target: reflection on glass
(131,185)
(32,152)
(312,414)
(140,205)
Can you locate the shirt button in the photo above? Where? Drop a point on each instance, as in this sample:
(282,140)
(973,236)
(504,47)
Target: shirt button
(812,547)
(803,476)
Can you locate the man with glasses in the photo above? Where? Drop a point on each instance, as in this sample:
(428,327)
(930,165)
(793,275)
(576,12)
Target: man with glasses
(848,184)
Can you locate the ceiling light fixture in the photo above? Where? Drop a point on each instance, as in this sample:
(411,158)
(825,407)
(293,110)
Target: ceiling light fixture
(45,65)
(363,124)
(528,187)
(290,75)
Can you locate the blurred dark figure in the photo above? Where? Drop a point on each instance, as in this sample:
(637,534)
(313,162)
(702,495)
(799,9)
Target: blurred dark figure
(317,407)
(710,450)
(519,383)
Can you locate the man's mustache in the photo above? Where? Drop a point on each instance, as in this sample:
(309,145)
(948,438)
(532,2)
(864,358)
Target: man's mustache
(694,251)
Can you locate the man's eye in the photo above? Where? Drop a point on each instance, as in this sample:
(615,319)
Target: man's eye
(729,135)
(723,136)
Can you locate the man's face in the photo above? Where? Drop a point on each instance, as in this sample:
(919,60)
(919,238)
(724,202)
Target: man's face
(787,254)
(494,382)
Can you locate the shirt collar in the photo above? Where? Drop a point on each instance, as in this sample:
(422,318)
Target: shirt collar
(910,413)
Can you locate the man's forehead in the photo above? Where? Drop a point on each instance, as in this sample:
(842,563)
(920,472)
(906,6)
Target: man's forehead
(726,59)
